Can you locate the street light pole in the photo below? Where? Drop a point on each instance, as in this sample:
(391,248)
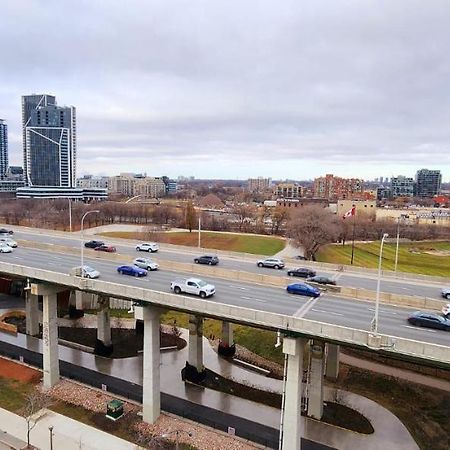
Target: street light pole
(396,246)
(50,429)
(81,242)
(377,302)
(199,230)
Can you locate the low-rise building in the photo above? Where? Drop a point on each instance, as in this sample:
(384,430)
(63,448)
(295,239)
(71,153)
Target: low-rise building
(419,215)
(56,192)
(362,207)
(288,190)
(90,181)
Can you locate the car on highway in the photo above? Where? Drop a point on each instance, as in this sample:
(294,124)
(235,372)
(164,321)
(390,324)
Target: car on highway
(8,241)
(5,231)
(105,248)
(446,293)
(274,263)
(429,320)
(303,289)
(146,263)
(320,279)
(93,244)
(301,257)
(150,247)
(134,271)
(87,272)
(193,286)
(207,259)
(5,248)
(302,272)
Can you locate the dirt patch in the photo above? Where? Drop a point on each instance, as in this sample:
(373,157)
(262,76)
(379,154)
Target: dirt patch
(18,372)
(438,252)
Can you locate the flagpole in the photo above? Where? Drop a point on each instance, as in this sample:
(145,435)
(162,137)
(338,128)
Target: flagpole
(353,238)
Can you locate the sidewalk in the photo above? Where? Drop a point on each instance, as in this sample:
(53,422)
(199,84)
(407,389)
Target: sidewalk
(68,434)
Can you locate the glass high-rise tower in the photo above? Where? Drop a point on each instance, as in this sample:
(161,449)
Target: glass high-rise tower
(428,182)
(49,142)
(3,148)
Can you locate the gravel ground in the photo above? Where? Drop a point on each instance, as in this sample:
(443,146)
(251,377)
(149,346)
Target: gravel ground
(202,438)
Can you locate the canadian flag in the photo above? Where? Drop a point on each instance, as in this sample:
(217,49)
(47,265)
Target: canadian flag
(349,213)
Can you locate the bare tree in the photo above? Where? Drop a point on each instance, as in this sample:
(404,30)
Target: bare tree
(190,216)
(34,402)
(278,216)
(311,227)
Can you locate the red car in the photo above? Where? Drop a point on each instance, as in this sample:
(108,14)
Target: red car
(105,248)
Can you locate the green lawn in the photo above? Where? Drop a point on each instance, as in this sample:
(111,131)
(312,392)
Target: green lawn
(427,258)
(246,243)
(13,394)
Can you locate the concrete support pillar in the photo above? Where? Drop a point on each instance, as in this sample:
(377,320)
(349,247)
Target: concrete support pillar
(151,395)
(32,313)
(79,299)
(50,340)
(332,364)
(292,424)
(316,371)
(196,342)
(103,320)
(227,334)
(84,300)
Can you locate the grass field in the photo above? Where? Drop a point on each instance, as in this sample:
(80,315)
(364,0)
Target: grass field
(427,258)
(246,243)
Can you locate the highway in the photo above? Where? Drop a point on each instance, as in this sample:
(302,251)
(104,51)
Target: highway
(327,308)
(356,280)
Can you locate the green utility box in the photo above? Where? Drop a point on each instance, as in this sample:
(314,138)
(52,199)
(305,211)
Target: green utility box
(114,409)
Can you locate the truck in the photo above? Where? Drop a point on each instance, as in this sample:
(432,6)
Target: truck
(193,286)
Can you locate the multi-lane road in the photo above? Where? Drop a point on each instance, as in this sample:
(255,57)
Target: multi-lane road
(327,308)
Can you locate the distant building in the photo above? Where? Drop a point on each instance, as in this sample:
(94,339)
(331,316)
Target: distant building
(288,190)
(259,184)
(333,188)
(3,148)
(383,193)
(89,181)
(428,182)
(130,185)
(362,207)
(49,142)
(402,186)
(55,192)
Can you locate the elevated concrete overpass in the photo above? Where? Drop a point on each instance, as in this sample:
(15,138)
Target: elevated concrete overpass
(298,332)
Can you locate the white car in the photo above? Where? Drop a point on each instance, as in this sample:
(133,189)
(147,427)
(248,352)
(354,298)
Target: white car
(147,247)
(274,263)
(193,286)
(146,263)
(8,241)
(5,248)
(88,272)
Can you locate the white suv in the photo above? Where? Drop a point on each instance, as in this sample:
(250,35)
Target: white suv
(146,263)
(275,263)
(147,247)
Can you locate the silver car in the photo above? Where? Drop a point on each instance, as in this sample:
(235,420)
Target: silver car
(5,248)
(446,293)
(8,241)
(274,263)
(87,272)
(146,263)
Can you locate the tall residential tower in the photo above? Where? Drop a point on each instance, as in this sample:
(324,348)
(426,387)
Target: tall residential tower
(428,182)
(3,148)
(49,142)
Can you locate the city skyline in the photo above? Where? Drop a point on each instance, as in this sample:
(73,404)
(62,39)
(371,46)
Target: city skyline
(220,92)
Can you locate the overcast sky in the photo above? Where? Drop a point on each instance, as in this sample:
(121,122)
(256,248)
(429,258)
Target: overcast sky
(237,89)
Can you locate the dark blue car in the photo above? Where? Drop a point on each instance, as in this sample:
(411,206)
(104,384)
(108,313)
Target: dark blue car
(429,320)
(303,289)
(132,270)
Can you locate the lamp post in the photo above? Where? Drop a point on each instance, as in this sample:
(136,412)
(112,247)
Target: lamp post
(81,242)
(177,435)
(50,429)
(199,230)
(402,216)
(377,301)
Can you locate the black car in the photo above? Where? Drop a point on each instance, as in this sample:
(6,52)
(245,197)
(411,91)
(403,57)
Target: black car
(429,320)
(207,259)
(5,231)
(301,272)
(322,280)
(93,244)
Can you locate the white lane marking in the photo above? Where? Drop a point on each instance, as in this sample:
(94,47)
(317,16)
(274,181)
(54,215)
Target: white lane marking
(306,307)
(237,287)
(337,276)
(255,299)
(419,329)
(327,312)
(383,311)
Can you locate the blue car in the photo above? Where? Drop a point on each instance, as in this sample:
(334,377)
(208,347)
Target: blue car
(429,320)
(303,289)
(132,270)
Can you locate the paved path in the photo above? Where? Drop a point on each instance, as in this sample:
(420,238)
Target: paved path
(68,434)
